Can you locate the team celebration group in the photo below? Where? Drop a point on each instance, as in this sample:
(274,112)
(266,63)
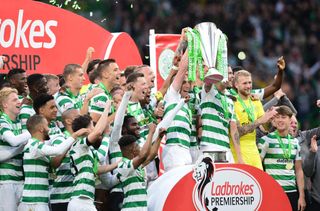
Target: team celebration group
(69,146)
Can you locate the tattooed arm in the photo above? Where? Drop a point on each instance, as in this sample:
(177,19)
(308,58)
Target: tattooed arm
(236,140)
(245,129)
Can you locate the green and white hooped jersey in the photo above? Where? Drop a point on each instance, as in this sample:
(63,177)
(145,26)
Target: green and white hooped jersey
(35,165)
(275,162)
(115,155)
(179,131)
(135,110)
(65,101)
(26,112)
(98,103)
(54,129)
(134,186)
(62,186)
(83,161)
(11,171)
(216,119)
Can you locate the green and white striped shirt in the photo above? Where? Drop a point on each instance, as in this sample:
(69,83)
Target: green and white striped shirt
(62,186)
(215,126)
(65,101)
(83,161)
(97,103)
(179,131)
(134,186)
(275,162)
(10,170)
(36,163)
(135,110)
(54,129)
(26,112)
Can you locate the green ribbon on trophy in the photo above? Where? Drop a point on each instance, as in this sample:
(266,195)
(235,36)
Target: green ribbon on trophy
(194,55)
(222,57)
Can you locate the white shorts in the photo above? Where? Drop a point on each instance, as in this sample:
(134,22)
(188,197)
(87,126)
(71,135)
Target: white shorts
(195,153)
(10,196)
(33,207)
(174,156)
(217,148)
(81,204)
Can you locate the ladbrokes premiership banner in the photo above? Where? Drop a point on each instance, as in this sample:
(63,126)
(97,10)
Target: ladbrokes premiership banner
(216,187)
(41,38)
(162,48)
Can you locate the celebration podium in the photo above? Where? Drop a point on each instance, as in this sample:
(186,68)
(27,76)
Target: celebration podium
(213,186)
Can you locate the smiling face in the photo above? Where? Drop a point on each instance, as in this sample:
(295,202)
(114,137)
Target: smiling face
(133,128)
(149,75)
(140,88)
(53,86)
(19,82)
(12,104)
(244,85)
(49,110)
(185,88)
(112,74)
(282,122)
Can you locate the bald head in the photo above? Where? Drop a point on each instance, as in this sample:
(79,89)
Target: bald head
(68,117)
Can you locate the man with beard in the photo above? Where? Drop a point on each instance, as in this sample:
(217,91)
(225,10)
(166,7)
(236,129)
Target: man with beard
(36,160)
(262,93)
(11,172)
(280,153)
(250,115)
(18,79)
(37,84)
(109,74)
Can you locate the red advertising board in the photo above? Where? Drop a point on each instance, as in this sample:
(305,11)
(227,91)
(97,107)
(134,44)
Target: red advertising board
(42,38)
(223,187)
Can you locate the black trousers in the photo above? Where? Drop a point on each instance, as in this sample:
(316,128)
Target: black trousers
(314,206)
(293,198)
(59,207)
(115,201)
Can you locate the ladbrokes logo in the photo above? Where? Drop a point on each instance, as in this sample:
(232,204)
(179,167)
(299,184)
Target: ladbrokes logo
(224,189)
(27,33)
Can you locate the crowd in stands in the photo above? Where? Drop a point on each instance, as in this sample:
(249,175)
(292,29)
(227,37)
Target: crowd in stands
(69,146)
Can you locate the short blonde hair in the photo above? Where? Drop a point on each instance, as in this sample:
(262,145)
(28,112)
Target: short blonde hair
(4,93)
(51,77)
(241,73)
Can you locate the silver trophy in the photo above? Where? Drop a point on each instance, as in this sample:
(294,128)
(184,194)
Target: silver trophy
(209,36)
(216,156)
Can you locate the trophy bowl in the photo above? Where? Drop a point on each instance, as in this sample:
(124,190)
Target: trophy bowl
(209,39)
